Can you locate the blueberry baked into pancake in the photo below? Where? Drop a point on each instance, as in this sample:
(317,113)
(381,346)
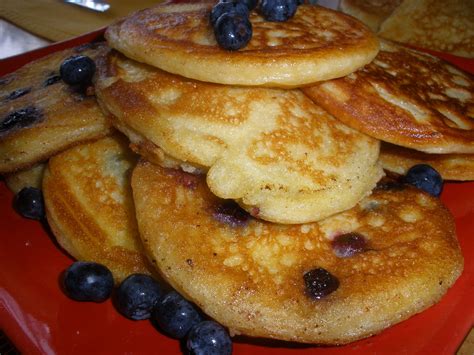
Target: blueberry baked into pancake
(44,111)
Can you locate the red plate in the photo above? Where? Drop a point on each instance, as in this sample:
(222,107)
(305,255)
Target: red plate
(39,318)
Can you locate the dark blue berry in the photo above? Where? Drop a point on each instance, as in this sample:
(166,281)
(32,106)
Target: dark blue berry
(229,212)
(233,31)
(349,244)
(137,295)
(29,203)
(88,281)
(52,79)
(77,70)
(21,118)
(425,178)
(251,4)
(320,283)
(175,315)
(278,10)
(209,338)
(18,93)
(228,7)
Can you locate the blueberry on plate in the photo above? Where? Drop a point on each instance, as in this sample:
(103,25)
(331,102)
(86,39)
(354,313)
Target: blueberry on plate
(278,10)
(77,70)
(137,295)
(233,31)
(228,7)
(209,338)
(88,281)
(425,178)
(175,315)
(29,203)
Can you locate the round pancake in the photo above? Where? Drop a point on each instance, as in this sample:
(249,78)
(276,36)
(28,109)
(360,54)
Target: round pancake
(445,26)
(370,12)
(315,44)
(279,155)
(32,177)
(52,116)
(451,166)
(89,205)
(407,98)
(248,274)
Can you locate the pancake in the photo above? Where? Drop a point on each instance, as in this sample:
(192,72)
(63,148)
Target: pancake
(40,115)
(407,98)
(451,166)
(315,44)
(445,26)
(279,155)
(249,274)
(370,12)
(32,177)
(89,205)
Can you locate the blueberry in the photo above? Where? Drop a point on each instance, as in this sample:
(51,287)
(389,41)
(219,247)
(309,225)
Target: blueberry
(137,295)
(233,31)
(77,70)
(228,7)
(29,203)
(349,244)
(175,315)
(209,338)
(21,118)
(18,93)
(278,10)
(425,178)
(88,281)
(320,283)
(229,212)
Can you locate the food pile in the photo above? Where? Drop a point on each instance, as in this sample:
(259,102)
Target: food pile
(269,169)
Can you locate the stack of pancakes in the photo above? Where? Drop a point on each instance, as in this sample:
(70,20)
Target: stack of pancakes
(252,168)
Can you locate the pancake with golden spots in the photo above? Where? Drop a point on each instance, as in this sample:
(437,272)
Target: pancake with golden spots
(32,177)
(445,26)
(391,256)
(399,160)
(370,12)
(315,44)
(40,115)
(89,205)
(407,98)
(279,155)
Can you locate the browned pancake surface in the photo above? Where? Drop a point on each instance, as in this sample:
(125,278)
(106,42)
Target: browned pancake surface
(54,116)
(370,12)
(445,26)
(89,205)
(451,166)
(248,274)
(316,44)
(274,151)
(407,98)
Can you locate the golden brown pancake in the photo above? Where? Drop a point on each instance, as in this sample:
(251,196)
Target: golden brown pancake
(446,26)
(316,44)
(89,205)
(279,155)
(32,177)
(370,12)
(40,115)
(407,98)
(249,274)
(451,166)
